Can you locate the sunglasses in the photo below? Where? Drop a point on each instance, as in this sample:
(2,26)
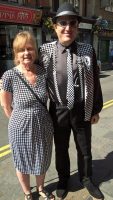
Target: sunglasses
(64,23)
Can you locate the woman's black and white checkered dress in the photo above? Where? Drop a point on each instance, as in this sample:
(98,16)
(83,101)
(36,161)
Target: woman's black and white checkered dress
(30,127)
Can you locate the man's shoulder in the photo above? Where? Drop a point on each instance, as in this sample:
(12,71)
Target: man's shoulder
(84,45)
(84,48)
(47,45)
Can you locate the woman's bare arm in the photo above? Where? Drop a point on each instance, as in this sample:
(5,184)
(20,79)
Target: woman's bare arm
(0,89)
(6,102)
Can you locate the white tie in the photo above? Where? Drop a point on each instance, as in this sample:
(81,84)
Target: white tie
(70,84)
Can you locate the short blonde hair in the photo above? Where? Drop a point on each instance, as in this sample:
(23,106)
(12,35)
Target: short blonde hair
(21,40)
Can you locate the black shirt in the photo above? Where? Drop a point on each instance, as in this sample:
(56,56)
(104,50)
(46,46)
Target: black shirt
(61,68)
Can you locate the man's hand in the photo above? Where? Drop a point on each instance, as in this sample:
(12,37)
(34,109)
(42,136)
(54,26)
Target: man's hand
(95,119)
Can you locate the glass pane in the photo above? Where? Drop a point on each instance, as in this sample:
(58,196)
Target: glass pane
(15,1)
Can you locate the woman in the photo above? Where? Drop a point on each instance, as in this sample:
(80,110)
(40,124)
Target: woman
(30,127)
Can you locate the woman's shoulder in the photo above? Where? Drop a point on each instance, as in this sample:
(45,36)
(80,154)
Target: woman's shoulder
(8,74)
(47,46)
(7,80)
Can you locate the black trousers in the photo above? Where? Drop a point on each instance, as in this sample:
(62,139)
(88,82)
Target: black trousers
(82,138)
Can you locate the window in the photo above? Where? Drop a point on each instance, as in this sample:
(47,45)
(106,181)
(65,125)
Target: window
(14,1)
(55,5)
(75,3)
(105,3)
(29,2)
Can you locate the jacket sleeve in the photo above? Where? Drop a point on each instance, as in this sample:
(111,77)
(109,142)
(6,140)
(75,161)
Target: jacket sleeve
(40,57)
(98,97)
(44,57)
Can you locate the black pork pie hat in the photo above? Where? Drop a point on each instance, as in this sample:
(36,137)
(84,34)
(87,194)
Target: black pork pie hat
(66,9)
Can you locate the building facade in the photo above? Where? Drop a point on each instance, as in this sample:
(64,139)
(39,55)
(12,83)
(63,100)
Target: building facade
(105,37)
(102,11)
(94,12)
(16,16)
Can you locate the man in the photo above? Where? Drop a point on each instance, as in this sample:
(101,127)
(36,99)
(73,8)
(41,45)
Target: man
(75,97)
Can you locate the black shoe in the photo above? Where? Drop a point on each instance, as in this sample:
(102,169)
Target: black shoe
(92,189)
(61,190)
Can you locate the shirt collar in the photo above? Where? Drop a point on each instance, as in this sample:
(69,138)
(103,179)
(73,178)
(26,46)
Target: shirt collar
(61,47)
(73,47)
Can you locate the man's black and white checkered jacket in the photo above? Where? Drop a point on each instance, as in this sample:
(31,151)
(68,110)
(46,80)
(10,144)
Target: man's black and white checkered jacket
(90,89)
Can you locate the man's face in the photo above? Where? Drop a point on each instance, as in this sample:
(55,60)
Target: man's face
(66,28)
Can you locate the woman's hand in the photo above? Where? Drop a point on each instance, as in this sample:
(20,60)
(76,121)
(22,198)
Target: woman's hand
(0,84)
(0,89)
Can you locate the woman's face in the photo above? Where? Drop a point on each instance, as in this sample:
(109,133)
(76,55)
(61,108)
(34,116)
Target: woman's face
(26,55)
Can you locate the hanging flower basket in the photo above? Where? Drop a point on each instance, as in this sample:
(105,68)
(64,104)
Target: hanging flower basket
(96,28)
(100,25)
(47,25)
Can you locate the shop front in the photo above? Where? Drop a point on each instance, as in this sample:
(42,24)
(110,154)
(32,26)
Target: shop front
(14,19)
(105,44)
(85,33)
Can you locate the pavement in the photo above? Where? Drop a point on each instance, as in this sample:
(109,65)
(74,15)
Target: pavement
(102,151)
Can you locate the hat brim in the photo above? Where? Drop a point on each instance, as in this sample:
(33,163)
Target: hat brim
(66,13)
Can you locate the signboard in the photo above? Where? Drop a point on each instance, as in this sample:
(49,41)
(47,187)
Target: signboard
(85,26)
(19,15)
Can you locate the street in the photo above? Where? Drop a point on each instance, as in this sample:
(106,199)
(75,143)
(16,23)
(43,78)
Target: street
(102,151)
